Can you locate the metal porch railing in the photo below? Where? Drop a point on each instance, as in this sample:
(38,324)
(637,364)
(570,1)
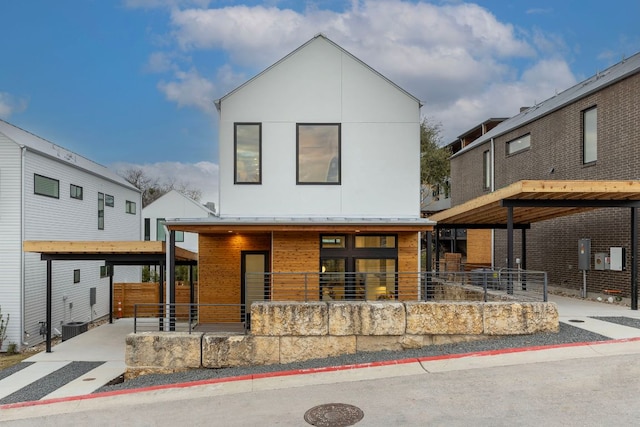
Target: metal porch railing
(481,284)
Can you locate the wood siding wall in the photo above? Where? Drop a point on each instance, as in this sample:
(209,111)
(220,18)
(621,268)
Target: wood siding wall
(479,247)
(129,294)
(408,262)
(220,266)
(219,269)
(296,252)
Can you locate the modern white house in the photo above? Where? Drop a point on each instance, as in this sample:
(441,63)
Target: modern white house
(173,204)
(319,174)
(48,193)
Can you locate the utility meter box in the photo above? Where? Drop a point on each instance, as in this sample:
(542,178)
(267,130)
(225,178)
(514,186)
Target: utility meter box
(584,254)
(601,261)
(618,259)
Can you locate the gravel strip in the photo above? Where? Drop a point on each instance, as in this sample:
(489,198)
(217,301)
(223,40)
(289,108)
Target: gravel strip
(567,334)
(39,389)
(624,321)
(4,373)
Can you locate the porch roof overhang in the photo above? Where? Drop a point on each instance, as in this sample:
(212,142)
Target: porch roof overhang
(539,200)
(112,252)
(215,225)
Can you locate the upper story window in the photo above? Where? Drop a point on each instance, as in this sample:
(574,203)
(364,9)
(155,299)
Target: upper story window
(109,201)
(318,152)
(130,207)
(486,170)
(76,192)
(100,211)
(46,186)
(519,144)
(590,135)
(248,153)
(147,229)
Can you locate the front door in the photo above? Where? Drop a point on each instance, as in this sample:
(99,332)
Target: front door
(254,284)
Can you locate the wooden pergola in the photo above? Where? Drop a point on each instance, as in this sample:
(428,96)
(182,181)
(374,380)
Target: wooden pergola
(522,203)
(112,253)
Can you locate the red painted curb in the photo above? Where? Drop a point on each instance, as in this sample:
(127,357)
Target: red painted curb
(310,371)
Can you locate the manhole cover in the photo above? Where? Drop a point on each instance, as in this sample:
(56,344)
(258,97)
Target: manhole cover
(333,415)
(576,320)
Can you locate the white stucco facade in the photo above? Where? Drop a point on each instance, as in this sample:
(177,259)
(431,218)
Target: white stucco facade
(320,83)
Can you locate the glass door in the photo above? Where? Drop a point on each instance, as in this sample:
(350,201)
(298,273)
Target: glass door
(376,278)
(332,279)
(254,281)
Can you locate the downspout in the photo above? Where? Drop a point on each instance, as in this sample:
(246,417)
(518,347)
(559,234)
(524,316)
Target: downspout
(492,188)
(23,341)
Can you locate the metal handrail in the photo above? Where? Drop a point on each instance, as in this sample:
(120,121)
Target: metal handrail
(169,318)
(512,284)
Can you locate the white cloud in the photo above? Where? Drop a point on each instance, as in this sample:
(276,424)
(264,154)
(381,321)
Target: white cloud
(201,176)
(458,58)
(160,62)
(504,99)
(190,90)
(10,104)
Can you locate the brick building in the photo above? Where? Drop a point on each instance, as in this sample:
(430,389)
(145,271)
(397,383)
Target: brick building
(588,132)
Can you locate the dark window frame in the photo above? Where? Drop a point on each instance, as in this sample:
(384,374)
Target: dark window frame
(339,156)
(351,255)
(74,194)
(127,207)
(147,229)
(508,152)
(57,188)
(486,170)
(100,211)
(104,271)
(109,200)
(235,153)
(583,114)
(76,275)
(350,250)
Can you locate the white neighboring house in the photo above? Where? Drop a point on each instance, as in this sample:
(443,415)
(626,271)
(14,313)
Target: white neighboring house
(50,193)
(173,205)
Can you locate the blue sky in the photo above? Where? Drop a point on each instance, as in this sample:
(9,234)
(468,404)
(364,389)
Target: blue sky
(132,82)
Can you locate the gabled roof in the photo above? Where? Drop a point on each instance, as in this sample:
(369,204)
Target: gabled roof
(320,36)
(40,145)
(602,79)
(176,193)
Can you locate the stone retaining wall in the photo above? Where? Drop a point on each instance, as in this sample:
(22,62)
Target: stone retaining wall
(285,332)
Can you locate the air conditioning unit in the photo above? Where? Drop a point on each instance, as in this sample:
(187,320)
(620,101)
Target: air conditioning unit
(71,329)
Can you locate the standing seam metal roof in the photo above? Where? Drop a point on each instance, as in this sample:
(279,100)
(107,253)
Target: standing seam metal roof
(621,70)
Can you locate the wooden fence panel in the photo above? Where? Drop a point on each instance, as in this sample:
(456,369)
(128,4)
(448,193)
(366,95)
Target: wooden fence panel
(126,295)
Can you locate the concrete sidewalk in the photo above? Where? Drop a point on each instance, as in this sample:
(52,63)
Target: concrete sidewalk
(580,313)
(105,343)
